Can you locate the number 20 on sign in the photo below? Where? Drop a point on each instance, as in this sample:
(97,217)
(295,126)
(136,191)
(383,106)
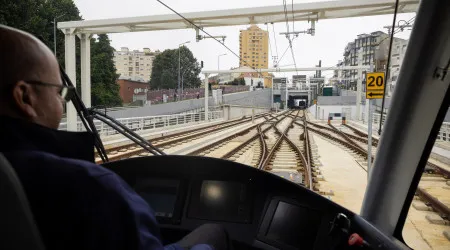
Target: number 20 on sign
(375,84)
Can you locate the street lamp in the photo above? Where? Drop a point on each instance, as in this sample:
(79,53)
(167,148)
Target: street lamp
(182,81)
(179,64)
(218,61)
(54,32)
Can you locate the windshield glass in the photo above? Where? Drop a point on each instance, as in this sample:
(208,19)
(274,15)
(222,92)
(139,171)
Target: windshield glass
(287,87)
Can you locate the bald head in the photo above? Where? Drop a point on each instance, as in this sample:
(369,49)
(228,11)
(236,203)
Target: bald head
(25,59)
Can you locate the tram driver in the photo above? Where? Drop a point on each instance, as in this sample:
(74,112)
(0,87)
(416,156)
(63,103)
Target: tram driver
(76,204)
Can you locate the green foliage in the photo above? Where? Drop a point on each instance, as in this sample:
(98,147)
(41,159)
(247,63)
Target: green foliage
(238,81)
(165,69)
(105,90)
(37,16)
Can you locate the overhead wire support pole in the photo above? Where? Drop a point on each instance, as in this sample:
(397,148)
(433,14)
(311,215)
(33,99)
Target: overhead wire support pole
(388,64)
(276,46)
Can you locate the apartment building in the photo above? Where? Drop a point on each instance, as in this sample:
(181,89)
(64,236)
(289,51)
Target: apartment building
(134,65)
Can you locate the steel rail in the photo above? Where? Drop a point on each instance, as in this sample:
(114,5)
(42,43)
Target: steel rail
(283,137)
(307,148)
(237,121)
(236,149)
(343,135)
(360,133)
(265,161)
(208,130)
(358,150)
(438,206)
(198,151)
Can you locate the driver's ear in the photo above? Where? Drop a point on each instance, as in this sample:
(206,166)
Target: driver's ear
(24,99)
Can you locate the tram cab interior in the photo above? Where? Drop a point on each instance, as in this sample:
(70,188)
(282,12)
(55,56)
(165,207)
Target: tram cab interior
(263,211)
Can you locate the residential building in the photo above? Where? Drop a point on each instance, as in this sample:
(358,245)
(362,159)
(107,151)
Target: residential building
(254,51)
(225,78)
(131,91)
(397,54)
(254,48)
(374,48)
(134,65)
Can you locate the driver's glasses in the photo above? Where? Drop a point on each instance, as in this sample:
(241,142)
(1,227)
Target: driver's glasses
(66,92)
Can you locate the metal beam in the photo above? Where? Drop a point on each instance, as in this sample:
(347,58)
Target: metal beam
(363,67)
(259,15)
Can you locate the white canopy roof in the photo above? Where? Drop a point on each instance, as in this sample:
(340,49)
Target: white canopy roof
(244,16)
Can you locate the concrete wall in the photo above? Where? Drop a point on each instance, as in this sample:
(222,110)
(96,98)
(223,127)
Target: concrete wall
(259,98)
(324,111)
(345,92)
(336,100)
(231,112)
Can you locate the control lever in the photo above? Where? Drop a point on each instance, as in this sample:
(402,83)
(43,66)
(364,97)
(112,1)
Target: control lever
(339,231)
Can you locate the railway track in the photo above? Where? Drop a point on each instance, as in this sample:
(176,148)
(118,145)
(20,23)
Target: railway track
(238,142)
(276,145)
(433,187)
(167,141)
(240,147)
(431,167)
(285,158)
(331,135)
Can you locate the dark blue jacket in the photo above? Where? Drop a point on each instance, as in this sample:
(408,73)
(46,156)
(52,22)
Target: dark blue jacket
(76,203)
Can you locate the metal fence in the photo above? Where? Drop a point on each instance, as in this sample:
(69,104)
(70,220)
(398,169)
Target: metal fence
(443,135)
(151,122)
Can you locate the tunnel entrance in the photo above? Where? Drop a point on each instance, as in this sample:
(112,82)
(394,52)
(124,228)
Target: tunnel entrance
(298,102)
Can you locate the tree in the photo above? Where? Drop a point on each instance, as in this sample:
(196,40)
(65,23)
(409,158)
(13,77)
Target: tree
(36,17)
(165,69)
(105,90)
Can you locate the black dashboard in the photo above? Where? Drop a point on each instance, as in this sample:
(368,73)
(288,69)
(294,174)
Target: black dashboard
(258,209)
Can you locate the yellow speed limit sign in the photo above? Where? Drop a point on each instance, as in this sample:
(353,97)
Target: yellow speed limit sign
(375,84)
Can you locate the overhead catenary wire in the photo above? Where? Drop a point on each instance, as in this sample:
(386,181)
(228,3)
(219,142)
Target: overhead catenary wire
(268,39)
(293,57)
(398,29)
(287,19)
(292,8)
(284,53)
(288,36)
(275,39)
(209,35)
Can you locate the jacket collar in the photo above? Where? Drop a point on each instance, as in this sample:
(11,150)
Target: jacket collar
(20,135)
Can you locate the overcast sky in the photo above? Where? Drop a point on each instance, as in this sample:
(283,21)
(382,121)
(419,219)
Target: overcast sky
(327,45)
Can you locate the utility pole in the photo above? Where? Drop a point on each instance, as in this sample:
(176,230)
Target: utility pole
(358,87)
(54,33)
(369,139)
(179,65)
(218,60)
